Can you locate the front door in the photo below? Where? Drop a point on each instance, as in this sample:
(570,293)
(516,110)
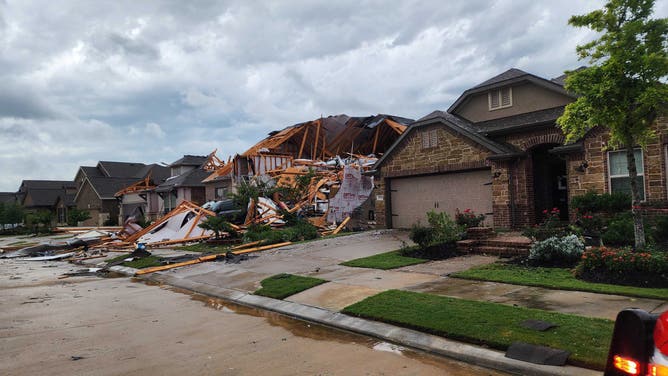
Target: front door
(549,182)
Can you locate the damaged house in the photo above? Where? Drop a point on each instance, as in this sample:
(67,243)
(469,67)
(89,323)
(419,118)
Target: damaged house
(498,151)
(184,183)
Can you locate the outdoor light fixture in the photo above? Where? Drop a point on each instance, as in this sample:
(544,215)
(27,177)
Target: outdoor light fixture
(582,167)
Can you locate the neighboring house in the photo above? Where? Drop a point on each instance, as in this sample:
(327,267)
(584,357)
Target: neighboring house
(8,197)
(140,199)
(319,139)
(498,151)
(97,187)
(184,184)
(54,196)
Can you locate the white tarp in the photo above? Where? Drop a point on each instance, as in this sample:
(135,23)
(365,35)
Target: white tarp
(175,228)
(355,189)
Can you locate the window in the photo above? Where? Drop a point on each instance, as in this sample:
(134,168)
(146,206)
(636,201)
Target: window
(221,193)
(500,98)
(61,215)
(619,173)
(430,139)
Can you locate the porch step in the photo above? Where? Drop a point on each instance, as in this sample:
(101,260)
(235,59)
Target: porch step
(500,245)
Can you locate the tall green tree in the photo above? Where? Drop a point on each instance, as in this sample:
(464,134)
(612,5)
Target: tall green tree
(624,87)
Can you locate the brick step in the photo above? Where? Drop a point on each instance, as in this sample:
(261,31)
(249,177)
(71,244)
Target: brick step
(501,251)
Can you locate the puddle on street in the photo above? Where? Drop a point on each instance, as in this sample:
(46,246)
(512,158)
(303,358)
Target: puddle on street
(322,333)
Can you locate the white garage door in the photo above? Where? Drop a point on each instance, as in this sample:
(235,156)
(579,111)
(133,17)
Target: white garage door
(413,197)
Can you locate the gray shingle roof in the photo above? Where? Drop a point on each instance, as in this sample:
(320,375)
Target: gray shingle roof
(46,184)
(192,178)
(121,169)
(8,197)
(190,160)
(505,76)
(520,122)
(106,187)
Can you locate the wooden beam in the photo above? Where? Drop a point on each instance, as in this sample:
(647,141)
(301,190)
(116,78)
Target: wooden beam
(375,139)
(240,246)
(314,154)
(301,148)
(195,220)
(177,265)
(263,248)
(338,229)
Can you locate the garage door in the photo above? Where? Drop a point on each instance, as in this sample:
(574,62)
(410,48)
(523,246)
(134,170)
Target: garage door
(413,197)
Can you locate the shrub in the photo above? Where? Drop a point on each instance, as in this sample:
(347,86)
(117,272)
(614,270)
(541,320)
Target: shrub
(606,202)
(468,218)
(556,251)
(301,231)
(445,229)
(74,216)
(624,266)
(620,231)
(422,236)
(660,233)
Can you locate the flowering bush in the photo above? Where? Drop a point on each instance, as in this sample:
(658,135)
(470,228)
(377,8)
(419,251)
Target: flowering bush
(556,251)
(625,266)
(550,227)
(468,218)
(589,223)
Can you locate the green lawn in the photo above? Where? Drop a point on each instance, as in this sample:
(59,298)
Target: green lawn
(281,286)
(491,324)
(389,260)
(553,278)
(142,263)
(204,247)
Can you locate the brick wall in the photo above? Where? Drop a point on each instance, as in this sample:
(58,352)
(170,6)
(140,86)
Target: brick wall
(595,175)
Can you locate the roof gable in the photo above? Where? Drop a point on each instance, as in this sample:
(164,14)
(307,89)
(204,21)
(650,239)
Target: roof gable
(458,125)
(510,77)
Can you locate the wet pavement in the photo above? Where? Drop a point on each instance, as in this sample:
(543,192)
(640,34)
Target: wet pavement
(93,326)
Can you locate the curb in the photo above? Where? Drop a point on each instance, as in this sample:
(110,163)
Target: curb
(405,337)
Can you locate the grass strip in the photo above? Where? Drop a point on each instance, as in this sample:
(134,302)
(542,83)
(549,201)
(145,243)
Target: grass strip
(490,324)
(281,286)
(384,261)
(141,263)
(553,278)
(144,262)
(203,247)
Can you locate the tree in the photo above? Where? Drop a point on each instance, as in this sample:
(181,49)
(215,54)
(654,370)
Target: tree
(40,218)
(623,90)
(218,225)
(74,216)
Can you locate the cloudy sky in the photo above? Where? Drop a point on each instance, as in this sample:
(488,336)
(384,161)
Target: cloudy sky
(149,81)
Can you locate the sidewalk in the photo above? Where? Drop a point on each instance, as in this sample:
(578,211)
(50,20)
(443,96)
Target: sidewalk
(321,304)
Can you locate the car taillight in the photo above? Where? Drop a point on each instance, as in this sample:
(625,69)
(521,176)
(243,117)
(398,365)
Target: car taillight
(661,334)
(629,366)
(658,370)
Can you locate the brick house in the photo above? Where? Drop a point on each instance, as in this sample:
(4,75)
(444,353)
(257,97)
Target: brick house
(54,196)
(497,150)
(97,187)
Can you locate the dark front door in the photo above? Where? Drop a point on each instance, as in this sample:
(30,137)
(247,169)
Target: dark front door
(549,183)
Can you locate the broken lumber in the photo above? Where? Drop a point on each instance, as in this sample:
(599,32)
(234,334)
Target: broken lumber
(263,248)
(177,241)
(177,265)
(240,246)
(338,229)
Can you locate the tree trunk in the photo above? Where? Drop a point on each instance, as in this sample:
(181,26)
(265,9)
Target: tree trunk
(638,228)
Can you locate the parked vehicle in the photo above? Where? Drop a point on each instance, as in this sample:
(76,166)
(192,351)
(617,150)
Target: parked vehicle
(639,345)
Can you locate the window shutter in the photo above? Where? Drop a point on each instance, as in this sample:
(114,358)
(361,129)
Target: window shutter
(433,138)
(494,99)
(425,140)
(506,97)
